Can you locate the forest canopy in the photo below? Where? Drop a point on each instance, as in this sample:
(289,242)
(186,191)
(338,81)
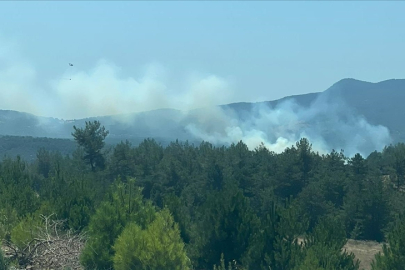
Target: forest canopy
(187,206)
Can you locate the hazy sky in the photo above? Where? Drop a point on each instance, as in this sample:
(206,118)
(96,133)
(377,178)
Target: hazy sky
(259,50)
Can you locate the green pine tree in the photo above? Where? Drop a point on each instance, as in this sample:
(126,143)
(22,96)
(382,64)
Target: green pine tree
(159,246)
(393,254)
(91,139)
(322,249)
(125,205)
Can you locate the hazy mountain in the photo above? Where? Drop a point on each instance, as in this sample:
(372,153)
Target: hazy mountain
(380,103)
(27,147)
(318,115)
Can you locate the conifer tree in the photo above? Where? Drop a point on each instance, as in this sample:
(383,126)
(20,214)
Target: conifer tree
(393,254)
(91,139)
(124,205)
(322,249)
(158,246)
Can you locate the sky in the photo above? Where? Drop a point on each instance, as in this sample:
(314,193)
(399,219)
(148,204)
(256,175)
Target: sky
(135,56)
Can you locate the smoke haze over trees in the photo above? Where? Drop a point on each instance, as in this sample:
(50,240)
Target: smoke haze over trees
(352,115)
(249,207)
(197,135)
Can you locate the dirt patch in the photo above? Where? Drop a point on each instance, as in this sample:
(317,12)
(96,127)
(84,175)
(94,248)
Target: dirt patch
(364,251)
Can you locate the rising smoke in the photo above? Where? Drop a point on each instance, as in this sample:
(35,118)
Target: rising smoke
(328,123)
(103,90)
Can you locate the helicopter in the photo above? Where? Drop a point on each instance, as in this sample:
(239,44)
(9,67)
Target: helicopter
(70,65)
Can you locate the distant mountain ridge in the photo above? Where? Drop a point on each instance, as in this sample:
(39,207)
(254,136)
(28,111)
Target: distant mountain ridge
(379,103)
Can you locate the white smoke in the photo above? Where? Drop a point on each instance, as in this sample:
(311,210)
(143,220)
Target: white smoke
(103,90)
(328,124)
(17,80)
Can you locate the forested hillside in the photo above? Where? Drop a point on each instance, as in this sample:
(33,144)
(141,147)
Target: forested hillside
(27,147)
(186,206)
(360,109)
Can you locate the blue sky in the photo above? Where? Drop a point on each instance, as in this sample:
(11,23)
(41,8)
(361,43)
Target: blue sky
(261,50)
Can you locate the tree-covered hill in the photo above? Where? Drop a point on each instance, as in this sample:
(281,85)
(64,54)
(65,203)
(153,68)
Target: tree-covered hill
(27,147)
(198,206)
(317,113)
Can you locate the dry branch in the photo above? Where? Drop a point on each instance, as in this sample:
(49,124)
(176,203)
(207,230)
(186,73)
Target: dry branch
(51,248)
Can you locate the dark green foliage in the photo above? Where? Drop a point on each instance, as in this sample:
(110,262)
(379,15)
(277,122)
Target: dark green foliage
(322,249)
(314,201)
(27,147)
(321,257)
(158,246)
(393,255)
(276,246)
(44,162)
(124,204)
(70,191)
(105,226)
(16,187)
(123,161)
(230,226)
(333,176)
(91,138)
(296,166)
(3,263)
(8,220)
(397,156)
(252,206)
(180,215)
(366,203)
(231,265)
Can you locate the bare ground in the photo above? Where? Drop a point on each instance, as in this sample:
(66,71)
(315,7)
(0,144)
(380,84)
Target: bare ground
(364,251)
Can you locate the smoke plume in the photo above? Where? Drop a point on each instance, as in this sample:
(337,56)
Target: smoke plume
(104,90)
(328,123)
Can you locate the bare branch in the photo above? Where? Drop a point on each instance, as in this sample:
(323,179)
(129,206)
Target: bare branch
(52,248)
